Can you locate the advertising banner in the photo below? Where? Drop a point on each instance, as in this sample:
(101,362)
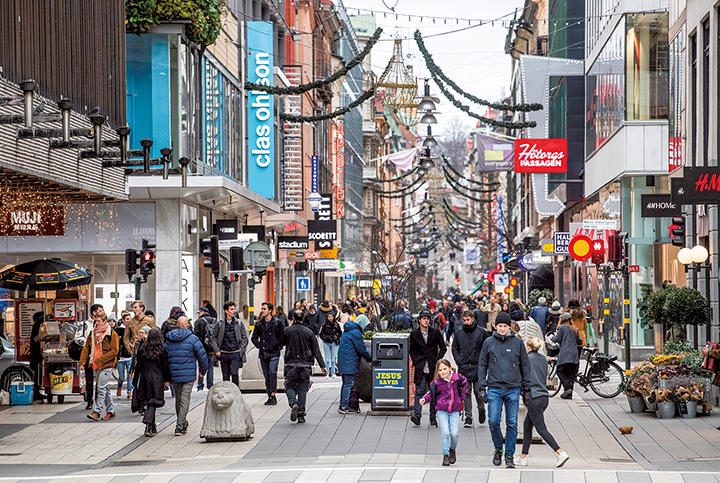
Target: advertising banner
(698,186)
(470,250)
(541,155)
(24,311)
(324,212)
(340,171)
(40,220)
(261,156)
(494,154)
(322,230)
(226,229)
(293,243)
(658,206)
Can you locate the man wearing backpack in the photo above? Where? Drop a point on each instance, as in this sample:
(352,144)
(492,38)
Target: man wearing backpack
(205,331)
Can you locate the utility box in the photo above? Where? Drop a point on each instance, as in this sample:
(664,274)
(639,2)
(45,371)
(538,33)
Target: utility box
(391,372)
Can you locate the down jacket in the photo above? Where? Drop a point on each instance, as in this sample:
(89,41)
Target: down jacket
(351,349)
(449,395)
(466,348)
(185,351)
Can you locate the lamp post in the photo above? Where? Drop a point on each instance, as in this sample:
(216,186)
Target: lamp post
(698,255)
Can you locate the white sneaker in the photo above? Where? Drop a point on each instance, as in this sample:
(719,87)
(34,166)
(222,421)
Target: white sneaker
(520,461)
(561,459)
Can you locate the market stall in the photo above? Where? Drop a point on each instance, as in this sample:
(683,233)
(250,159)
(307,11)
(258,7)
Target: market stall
(46,333)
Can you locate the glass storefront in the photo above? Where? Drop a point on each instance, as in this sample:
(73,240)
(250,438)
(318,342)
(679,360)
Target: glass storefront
(676,116)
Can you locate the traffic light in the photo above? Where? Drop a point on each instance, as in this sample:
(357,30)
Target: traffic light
(236,259)
(616,249)
(211,251)
(598,252)
(677,231)
(131,262)
(147,258)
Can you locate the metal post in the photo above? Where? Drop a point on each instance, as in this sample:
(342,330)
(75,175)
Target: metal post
(65,106)
(708,327)
(184,170)
(146,144)
(604,329)
(138,284)
(97,122)
(695,284)
(626,316)
(166,152)
(251,301)
(123,133)
(28,88)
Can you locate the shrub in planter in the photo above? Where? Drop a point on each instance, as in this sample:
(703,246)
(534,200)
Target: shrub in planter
(685,306)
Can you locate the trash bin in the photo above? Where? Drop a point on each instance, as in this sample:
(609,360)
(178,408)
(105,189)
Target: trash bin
(61,379)
(391,372)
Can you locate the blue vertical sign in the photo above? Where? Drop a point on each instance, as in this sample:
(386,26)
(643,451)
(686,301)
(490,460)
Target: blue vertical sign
(314,174)
(261,149)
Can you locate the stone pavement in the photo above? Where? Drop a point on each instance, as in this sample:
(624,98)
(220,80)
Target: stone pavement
(40,441)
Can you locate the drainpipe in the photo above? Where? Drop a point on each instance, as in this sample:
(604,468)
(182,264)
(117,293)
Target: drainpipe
(97,122)
(28,88)
(65,105)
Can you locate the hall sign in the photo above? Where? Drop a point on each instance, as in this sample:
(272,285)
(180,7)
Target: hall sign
(697,186)
(541,155)
(322,230)
(658,206)
(293,243)
(32,220)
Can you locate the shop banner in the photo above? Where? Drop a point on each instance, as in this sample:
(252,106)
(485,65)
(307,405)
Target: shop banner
(541,155)
(470,251)
(493,154)
(658,206)
(261,162)
(561,242)
(40,220)
(257,229)
(64,309)
(293,243)
(324,212)
(24,311)
(340,171)
(226,229)
(322,230)
(698,186)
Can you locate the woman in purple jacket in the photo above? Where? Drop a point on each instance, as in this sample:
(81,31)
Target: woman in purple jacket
(447,391)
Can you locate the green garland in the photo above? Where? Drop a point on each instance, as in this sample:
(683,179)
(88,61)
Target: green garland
(472,181)
(321,117)
(399,190)
(433,67)
(403,194)
(467,188)
(302,88)
(466,109)
(378,180)
(455,188)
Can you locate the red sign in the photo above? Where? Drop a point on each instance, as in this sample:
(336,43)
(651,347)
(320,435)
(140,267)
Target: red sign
(541,155)
(633,268)
(312,255)
(340,171)
(580,248)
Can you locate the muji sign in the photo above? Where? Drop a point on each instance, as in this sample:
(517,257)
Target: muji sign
(541,155)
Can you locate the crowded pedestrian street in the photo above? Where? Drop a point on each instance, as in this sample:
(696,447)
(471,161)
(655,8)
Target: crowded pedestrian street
(360,241)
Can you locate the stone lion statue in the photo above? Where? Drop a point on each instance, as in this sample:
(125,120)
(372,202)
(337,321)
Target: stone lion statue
(227,417)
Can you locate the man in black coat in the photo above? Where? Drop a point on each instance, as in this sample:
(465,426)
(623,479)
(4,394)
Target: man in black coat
(301,349)
(267,337)
(205,331)
(426,348)
(466,348)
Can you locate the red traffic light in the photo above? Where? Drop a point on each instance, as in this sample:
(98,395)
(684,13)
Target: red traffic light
(147,256)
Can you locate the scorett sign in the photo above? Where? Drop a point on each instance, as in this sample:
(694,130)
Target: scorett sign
(658,206)
(541,155)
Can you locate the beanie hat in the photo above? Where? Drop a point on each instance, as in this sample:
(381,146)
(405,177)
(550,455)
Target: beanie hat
(515,315)
(502,318)
(362,321)
(146,329)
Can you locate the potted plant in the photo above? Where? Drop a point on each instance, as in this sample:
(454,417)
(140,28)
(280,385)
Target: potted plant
(635,399)
(665,400)
(641,381)
(684,307)
(687,396)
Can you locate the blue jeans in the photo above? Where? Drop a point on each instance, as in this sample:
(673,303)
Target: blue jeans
(420,389)
(331,353)
(496,399)
(348,380)
(269,366)
(209,375)
(123,367)
(449,424)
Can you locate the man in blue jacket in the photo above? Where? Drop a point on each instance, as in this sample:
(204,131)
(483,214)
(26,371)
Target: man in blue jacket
(539,313)
(351,349)
(185,353)
(503,372)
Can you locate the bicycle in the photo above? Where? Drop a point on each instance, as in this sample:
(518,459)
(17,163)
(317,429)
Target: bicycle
(602,374)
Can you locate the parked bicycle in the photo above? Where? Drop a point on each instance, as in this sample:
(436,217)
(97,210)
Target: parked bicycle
(602,374)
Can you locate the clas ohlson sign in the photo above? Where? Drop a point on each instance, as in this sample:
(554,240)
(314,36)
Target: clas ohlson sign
(261,148)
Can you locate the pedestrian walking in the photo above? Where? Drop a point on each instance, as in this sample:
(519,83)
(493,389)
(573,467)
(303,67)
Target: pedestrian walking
(171,322)
(481,316)
(152,376)
(267,337)
(539,313)
(536,404)
(318,320)
(136,323)
(493,308)
(350,350)
(205,331)
(527,329)
(124,356)
(36,356)
(230,343)
(330,334)
(503,373)
(186,357)
(426,347)
(553,318)
(466,347)
(82,333)
(438,320)
(280,315)
(568,359)
(301,349)
(446,392)
(578,318)
(100,352)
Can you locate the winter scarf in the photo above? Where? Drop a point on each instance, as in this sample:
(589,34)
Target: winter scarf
(100,330)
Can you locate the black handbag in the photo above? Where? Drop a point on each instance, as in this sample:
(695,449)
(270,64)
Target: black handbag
(75,350)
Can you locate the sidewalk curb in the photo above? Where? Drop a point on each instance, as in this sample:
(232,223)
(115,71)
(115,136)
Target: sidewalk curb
(125,450)
(626,445)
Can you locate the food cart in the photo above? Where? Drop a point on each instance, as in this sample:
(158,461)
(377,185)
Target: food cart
(61,374)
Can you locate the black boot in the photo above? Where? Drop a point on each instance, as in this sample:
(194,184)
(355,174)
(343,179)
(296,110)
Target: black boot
(148,430)
(452,456)
(446,460)
(154,429)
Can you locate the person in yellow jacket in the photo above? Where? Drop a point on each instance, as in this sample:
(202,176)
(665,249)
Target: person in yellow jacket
(579,321)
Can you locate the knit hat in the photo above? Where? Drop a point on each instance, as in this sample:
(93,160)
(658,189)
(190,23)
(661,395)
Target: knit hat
(502,318)
(516,315)
(432,304)
(203,310)
(146,329)
(362,321)
(556,305)
(566,316)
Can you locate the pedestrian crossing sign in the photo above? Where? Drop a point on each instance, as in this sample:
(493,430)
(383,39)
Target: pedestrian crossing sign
(302,284)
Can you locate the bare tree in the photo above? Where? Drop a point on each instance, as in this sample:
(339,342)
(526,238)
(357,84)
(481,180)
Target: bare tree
(453,142)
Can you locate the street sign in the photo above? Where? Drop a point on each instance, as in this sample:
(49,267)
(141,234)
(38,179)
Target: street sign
(326,264)
(302,284)
(634,268)
(547,246)
(561,242)
(257,256)
(242,241)
(348,277)
(580,248)
(311,255)
(599,224)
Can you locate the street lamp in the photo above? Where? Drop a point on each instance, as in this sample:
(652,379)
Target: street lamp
(697,255)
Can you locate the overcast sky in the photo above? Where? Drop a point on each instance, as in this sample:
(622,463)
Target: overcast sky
(474,58)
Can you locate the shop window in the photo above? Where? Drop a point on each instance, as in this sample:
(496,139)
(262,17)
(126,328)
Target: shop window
(646,65)
(706,89)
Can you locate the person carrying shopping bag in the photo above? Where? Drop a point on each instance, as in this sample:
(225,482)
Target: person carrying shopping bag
(447,392)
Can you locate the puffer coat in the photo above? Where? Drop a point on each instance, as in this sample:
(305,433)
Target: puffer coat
(351,349)
(185,351)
